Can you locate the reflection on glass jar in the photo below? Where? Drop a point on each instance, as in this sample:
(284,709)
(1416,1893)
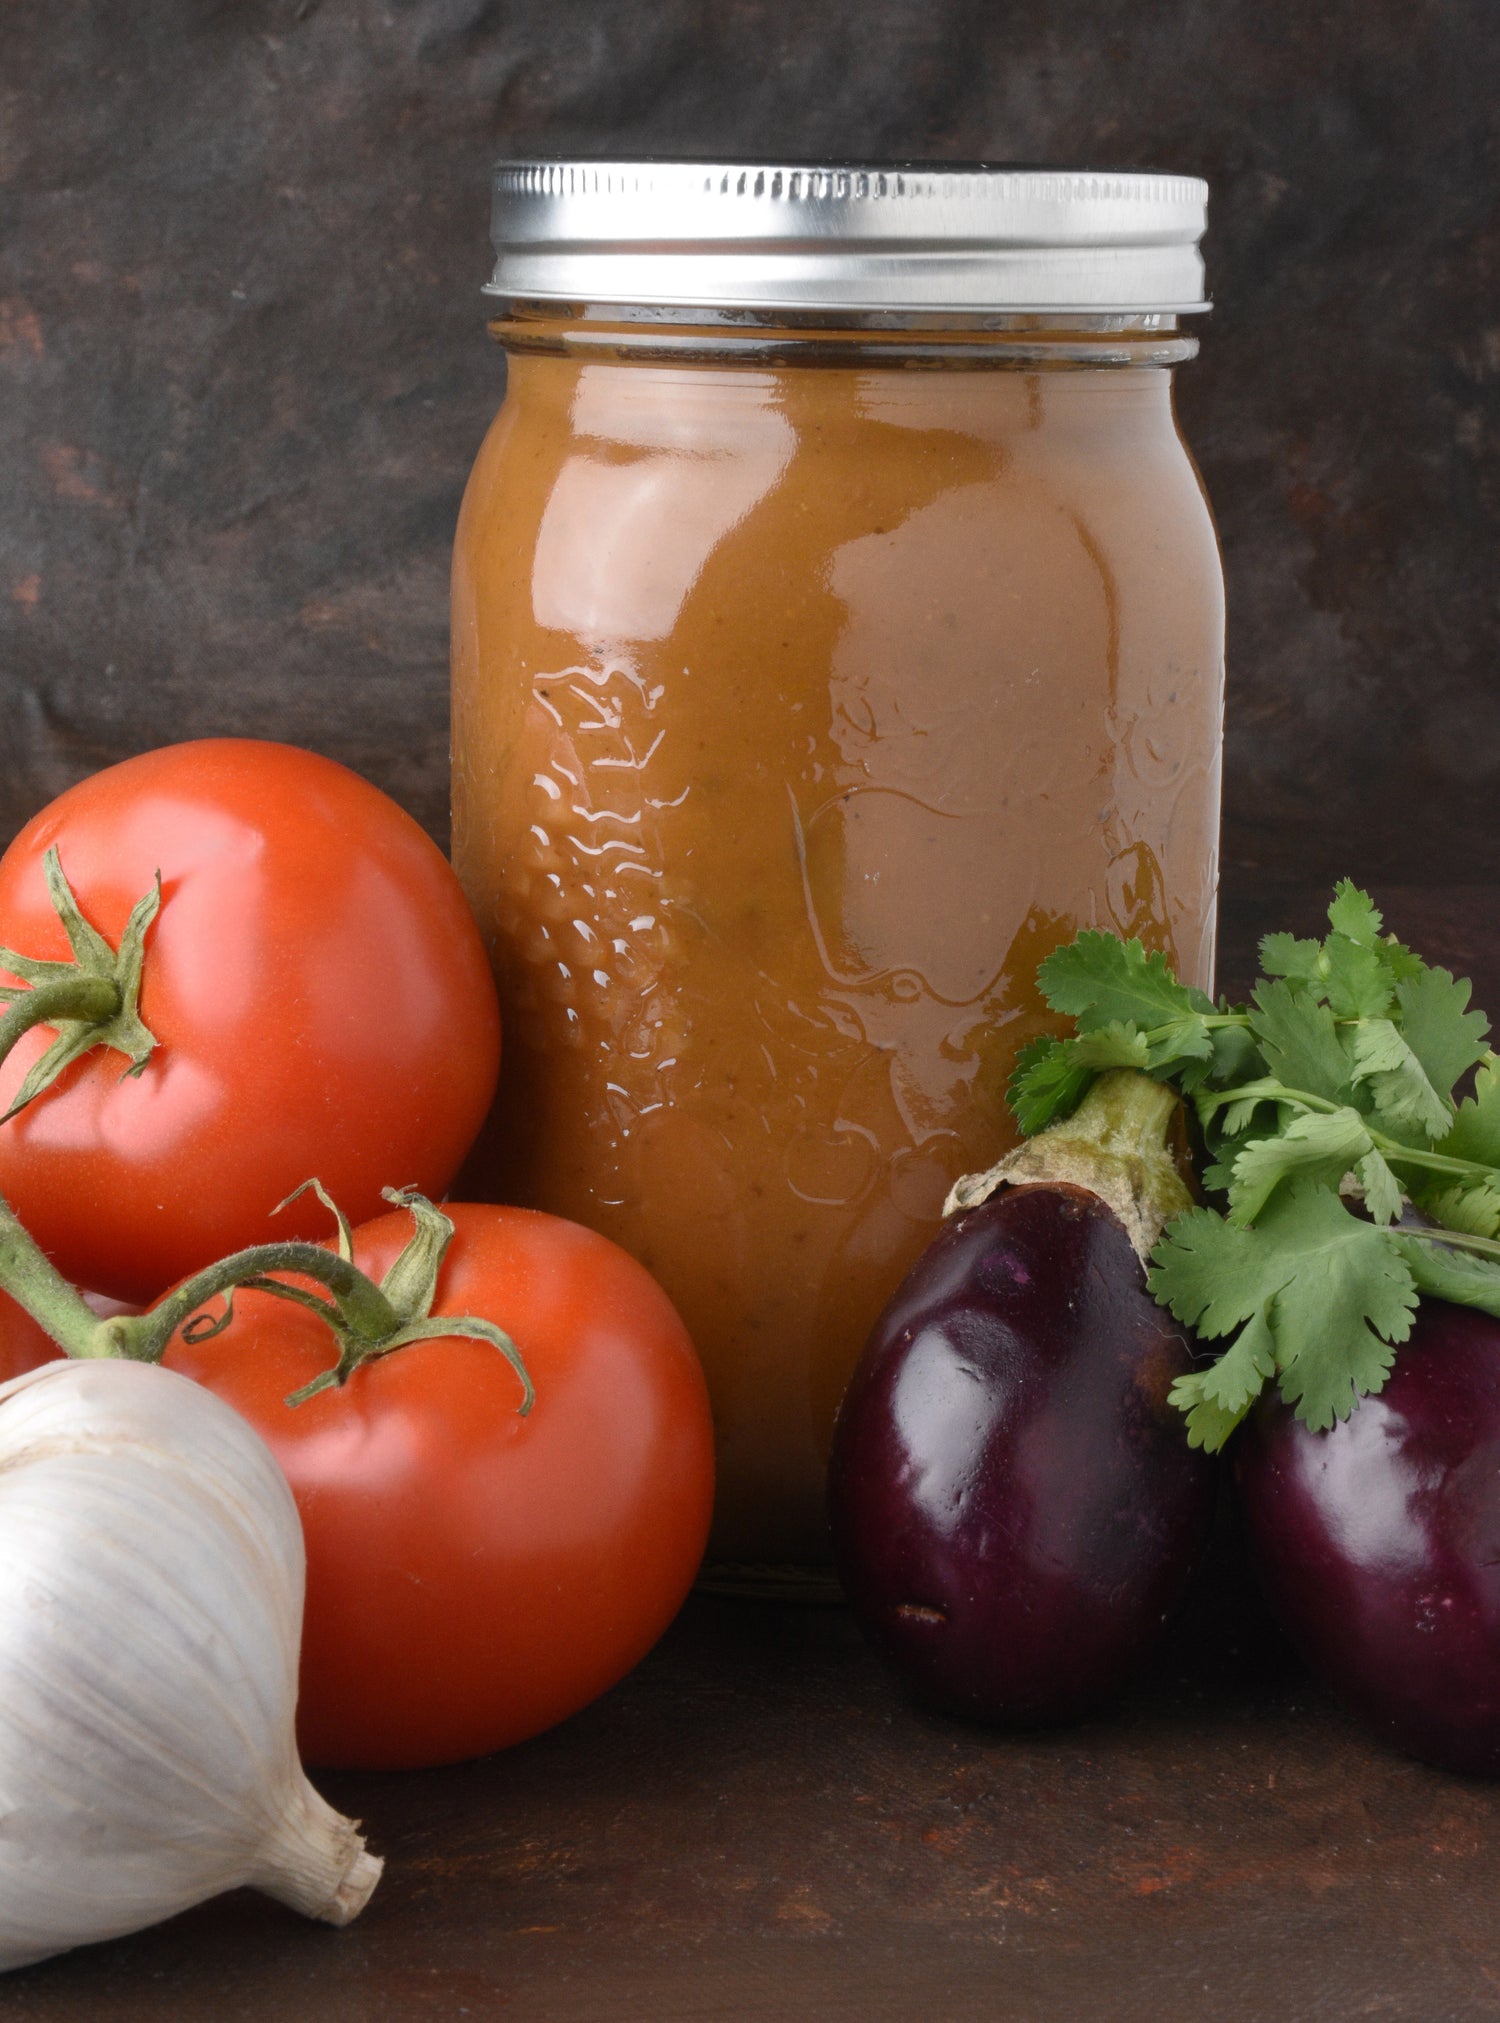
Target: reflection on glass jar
(804,697)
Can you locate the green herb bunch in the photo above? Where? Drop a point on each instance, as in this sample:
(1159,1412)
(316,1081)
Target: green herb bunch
(1351,1180)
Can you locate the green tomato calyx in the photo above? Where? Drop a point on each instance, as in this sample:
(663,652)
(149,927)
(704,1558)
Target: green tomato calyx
(92,1001)
(367,1320)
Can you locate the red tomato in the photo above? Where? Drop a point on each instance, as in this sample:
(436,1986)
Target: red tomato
(473,1576)
(318,988)
(23,1345)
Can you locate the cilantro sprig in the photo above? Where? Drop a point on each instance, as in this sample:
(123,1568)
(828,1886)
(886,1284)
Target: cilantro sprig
(1347,1179)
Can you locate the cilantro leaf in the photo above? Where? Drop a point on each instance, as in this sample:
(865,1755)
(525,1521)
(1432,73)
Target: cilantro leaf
(1335,1293)
(1207,1273)
(1382,1189)
(1234,1382)
(1403,963)
(1475,1210)
(1351,974)
(1235,1119)
(1345,1063)
(1230,1056)
(1356,970)
(1184,1045)
(1285,955)
(1236,1057)
(1404,1097)
(1227,1114)
(1347,1298)
(1358,983)
(1098,979)
(1476,1128)
(1117,1045)
(1444,1035)
(1450,1274)
(1052,1077)
(1046,1084)
(1209,1424)
(1354,913)
(1299,1043)
(1321,1147)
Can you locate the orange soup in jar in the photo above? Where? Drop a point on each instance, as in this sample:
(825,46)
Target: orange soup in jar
(837,627)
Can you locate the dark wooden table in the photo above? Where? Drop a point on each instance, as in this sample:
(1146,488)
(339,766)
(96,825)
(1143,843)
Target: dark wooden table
(755,1825)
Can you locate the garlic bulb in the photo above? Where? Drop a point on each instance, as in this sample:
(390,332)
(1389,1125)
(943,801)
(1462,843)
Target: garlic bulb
(151,1577)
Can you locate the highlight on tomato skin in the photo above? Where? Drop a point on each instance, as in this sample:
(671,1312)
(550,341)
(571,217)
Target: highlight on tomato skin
(315,981)
(475,1576)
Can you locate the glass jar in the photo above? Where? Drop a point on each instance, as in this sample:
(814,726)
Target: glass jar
(819,664)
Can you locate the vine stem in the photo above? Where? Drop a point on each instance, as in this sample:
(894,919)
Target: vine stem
(362,1307)
(35,1283)
(367,1320)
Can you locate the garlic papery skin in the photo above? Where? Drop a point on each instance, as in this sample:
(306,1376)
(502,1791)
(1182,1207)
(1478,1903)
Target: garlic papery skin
(151,1583)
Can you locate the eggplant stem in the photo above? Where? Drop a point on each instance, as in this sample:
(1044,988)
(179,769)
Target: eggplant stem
(1113,1145)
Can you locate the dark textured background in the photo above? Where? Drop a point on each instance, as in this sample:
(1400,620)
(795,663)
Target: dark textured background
(243,370)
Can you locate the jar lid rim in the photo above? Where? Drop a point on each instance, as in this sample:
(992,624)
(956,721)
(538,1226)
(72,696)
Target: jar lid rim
(965,236)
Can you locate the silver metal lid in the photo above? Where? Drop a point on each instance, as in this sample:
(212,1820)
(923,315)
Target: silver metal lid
(798,236)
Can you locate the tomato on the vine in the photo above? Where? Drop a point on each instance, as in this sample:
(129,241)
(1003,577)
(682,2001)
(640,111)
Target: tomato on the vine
(314,981)
(473,1575)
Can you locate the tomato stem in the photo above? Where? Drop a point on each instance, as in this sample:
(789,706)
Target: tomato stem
(91,1001)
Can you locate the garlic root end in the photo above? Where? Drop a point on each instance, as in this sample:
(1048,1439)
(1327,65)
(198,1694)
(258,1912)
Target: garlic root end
(354,1891)
(318,1864)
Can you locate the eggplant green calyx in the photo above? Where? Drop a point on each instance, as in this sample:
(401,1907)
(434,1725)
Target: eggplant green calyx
(92,1001)
(367,1320)
(1114,1144)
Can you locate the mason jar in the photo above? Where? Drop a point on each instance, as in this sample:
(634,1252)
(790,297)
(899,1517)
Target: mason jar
(838,626)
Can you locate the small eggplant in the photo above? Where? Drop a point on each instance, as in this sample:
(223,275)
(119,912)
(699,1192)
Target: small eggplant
(1014,1504)
(1378,1542)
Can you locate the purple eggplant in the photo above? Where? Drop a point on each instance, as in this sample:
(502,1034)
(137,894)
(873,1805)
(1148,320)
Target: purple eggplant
(1014,1504)
(1378,1542)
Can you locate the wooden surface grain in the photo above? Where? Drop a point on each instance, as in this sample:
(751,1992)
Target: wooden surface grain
(756,1826)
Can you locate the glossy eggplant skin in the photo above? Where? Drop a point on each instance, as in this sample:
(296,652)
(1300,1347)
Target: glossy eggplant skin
(1378,1542)
(1014,1504)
